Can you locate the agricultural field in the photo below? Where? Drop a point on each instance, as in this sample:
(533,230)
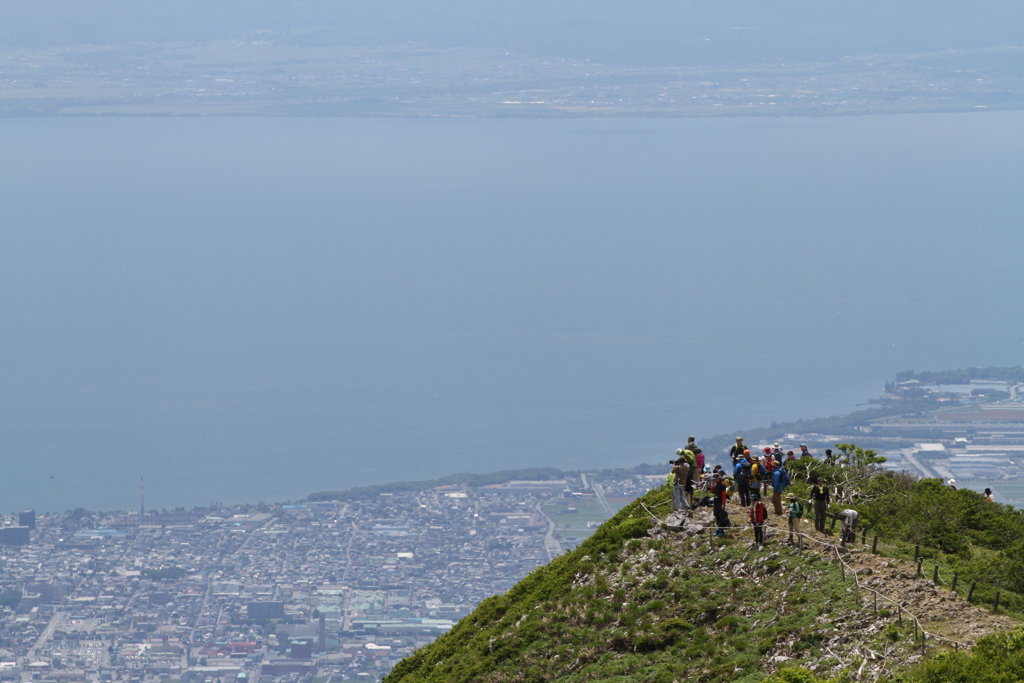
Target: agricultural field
(576,518)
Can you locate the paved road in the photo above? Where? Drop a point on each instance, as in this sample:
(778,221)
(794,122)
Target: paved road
(551,544)
(908,453)
(599,492)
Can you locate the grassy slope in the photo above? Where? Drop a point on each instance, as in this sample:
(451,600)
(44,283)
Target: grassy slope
(627,607)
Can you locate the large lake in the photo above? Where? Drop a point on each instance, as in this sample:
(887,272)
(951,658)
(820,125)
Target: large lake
(255,309)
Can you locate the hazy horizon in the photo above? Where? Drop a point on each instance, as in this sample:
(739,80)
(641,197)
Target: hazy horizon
(260,308)
(452,58)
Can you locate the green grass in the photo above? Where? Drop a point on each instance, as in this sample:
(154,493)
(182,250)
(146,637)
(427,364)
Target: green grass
(626,607)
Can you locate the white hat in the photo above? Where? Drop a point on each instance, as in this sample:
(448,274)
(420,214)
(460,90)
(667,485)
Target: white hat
(952,481)
(679,451)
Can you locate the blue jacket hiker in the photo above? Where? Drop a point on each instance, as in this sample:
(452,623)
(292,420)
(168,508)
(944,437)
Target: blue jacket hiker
(780,482)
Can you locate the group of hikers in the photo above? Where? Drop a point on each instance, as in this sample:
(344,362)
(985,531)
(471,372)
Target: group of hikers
(751,477)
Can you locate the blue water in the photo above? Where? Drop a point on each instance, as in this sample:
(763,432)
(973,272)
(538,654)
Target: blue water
(255,309)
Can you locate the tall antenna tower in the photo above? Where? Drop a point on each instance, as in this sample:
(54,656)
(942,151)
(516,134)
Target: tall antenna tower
(142,495)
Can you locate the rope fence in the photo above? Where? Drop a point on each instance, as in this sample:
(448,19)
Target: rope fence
(828,548)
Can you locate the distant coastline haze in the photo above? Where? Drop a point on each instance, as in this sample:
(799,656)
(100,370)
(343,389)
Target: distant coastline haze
(255,309)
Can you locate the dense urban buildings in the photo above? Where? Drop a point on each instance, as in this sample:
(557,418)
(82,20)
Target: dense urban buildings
(320,591)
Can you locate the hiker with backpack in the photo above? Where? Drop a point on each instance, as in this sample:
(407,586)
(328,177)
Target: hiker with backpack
(758,476)
(796,512)
(758,516)
(691,445)
(780,482)
(738,451)
(769,464)
(688,457)
(743,473)
(677,479)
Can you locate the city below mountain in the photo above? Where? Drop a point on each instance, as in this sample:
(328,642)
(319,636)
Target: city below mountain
(550,575)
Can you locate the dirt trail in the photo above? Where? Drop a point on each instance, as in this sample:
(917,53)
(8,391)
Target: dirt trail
(939,611)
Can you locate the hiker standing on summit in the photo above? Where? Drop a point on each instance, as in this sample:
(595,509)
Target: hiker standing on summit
(742,474)
(691,462)
(721,516)
(780,482)
(738,451)
(820,497)
(677,479)
(758,516)
(796,511)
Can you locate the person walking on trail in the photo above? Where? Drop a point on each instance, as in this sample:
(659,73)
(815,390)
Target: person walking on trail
(738,451)
(796,512)
(804,453)
(849,520)
(742,474)
(758,516)
(780,482)
(820,497)
(718,508)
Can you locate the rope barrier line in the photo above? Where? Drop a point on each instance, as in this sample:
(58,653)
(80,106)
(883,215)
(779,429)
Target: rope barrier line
(898,550)
(882,595)
(829,546)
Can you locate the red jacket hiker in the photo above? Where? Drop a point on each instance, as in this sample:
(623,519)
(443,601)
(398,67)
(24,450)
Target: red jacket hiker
(758,513)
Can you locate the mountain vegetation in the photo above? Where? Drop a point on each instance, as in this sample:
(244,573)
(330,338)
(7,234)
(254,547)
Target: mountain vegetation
(651,597)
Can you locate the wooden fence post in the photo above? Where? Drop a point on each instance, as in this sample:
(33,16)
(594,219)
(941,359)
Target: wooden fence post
(956,575)
(935,575)
(874,546)
(919,561)
(970,593)
(995,605)
(917,551)
(863,536)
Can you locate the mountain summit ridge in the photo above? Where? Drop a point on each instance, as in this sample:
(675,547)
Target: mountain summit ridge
(643,601)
